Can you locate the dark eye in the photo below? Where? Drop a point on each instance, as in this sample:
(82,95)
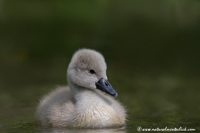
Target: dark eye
(92,71)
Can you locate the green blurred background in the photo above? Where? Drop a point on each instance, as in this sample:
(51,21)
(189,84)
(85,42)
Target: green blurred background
(151,48)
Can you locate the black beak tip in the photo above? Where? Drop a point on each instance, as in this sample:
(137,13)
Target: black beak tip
(116,94)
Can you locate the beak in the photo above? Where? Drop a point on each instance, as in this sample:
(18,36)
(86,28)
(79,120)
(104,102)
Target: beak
(105,86)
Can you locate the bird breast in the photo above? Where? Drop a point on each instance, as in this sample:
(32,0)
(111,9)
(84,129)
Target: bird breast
(97,117)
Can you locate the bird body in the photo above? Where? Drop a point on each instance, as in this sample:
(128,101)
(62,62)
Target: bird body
(84,103)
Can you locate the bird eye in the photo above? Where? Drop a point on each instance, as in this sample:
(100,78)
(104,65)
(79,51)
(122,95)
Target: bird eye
(92,71)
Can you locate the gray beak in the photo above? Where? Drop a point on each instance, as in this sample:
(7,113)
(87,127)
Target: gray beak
(105,86)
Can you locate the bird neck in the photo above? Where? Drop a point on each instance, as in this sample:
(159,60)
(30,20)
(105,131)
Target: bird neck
(77,91)
(89,96)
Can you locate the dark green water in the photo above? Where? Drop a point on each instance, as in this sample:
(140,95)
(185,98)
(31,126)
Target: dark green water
(152,101)
(151,49)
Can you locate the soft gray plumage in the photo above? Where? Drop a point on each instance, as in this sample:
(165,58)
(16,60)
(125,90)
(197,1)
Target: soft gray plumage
(82,104)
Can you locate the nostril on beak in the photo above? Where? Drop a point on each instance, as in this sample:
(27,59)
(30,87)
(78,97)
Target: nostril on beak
(107,83)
